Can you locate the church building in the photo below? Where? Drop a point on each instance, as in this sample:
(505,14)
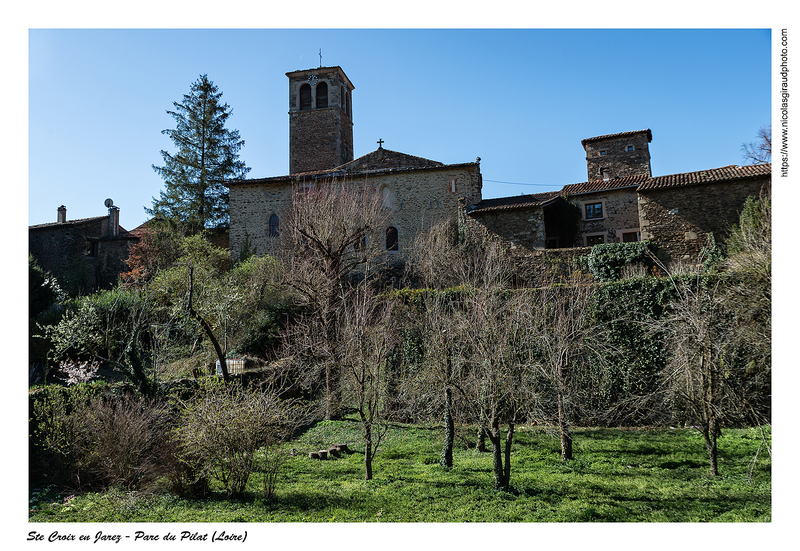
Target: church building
(418,192)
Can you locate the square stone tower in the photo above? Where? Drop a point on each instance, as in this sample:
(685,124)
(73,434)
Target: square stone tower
(320,119)
(617,155)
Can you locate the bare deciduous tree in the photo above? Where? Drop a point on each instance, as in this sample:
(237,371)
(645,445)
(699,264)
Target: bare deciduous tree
(564,340)
(759,151)
(368,337)
(330,239)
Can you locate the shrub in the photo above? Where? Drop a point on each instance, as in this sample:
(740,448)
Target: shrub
(221,430)
(606,260)
(85,436)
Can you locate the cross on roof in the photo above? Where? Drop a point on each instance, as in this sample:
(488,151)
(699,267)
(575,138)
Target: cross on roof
(380,144)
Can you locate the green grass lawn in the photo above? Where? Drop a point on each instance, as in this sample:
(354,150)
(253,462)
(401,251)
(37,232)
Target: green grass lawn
(654,475)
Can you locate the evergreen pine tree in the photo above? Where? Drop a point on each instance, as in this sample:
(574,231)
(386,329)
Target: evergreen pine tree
(207,156)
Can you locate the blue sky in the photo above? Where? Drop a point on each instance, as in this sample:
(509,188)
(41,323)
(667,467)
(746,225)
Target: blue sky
(521,100)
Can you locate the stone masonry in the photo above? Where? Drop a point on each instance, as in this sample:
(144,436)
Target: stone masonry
(617,155)
(678,211)
(418,197)
(320,119)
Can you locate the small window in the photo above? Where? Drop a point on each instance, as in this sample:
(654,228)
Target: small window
(392,243)
(322,95)
(592,240)
(594,211)
(91,247)
(305,97)
(630,237)
(603,152)
(629,148)
(274,225)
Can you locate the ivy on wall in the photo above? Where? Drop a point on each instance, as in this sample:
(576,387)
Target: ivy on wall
(607,260)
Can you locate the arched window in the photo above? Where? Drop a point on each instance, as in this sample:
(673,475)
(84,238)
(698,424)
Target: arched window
(274,225)
(387,196)
(392,243)
(305,97)
(322,95)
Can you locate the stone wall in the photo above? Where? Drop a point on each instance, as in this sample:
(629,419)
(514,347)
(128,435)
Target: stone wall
(678,219)
(547,266)
(319,140)
(417,198)
(520,227)
(320,135)
(612,154)
(78,255)
(620,215)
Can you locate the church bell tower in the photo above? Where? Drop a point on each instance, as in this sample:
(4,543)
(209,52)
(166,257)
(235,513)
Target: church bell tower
(320,119)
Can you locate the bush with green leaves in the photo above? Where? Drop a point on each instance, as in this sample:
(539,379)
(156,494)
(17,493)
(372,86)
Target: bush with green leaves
(111,327)
(607,259)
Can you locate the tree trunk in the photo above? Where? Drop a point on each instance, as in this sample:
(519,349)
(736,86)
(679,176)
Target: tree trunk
(446,459)
(563,426)
(710,433)
(500,482)
(481,445)
(449,430)
(367,451)
(710,426)
(507,466)
(207,329)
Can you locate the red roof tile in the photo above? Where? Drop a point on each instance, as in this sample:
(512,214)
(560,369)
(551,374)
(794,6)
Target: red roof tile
(604,185)
(725,173)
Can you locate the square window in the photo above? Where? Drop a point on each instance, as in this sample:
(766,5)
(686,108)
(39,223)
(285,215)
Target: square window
(594,211)
(592,240)
(629,148)
(630,237)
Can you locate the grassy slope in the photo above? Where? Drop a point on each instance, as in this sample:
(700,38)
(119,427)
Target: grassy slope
(618,475)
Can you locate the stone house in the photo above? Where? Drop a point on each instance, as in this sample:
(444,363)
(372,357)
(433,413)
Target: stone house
(678,211)
(85,254)
(526,221)
(623,202)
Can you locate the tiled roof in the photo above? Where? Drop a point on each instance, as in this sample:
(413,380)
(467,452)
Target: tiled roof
(604,185)
(123,233)
(75,222)
(725,173)
(379,161)
(386,158)
(516,202)
(620,135)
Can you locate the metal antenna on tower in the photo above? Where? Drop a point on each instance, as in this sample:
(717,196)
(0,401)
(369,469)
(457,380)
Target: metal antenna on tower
(320,58)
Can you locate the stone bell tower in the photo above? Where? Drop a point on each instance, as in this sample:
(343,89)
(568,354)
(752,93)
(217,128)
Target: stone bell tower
(320,119)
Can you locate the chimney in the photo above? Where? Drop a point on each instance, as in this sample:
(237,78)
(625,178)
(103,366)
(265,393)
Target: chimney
(113,221)
(62,214)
